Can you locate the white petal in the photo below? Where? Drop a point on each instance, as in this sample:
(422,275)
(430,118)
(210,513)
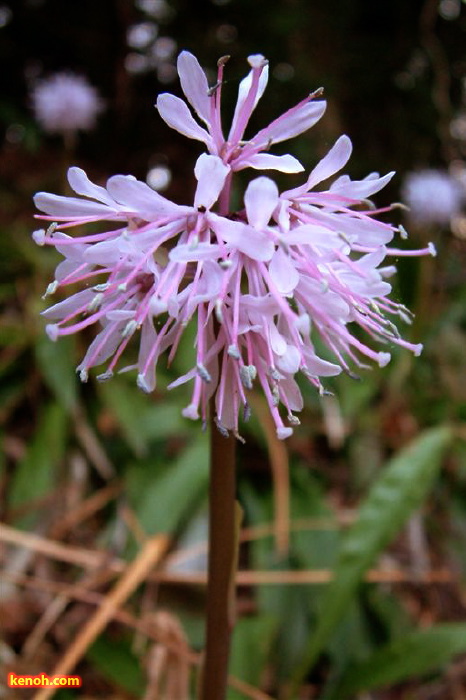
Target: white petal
(67,306)
(243,91)
(330,164)
(290,361)
(361,189)
(260,199)
(246,239)
(283,272)
(176,114)
(290,391)
(211,174)
(81,184)
(277,341)
(317,367)
(194,83)
(189,253)
(267,161)
(293,122)
(138,197)
(69,207)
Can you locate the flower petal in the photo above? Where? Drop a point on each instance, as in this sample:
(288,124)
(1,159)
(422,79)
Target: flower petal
(69,207)
(260,199)
(176,114)
(190,253)
(283,272)
(81,184)
(330,164)
(194,83)
(245,239)
(360,189)
(267,161)
(243,91)
(211,174)
(138,197)
(293,122)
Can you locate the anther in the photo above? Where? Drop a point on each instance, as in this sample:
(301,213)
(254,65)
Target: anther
(105,376)
(218,310)
(203,373)
(95,303)
(403,232)
(129,328)
(221,428)
(51,289)
(234,352)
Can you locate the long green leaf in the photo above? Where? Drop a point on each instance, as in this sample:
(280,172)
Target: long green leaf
(162,498)
(57,362)
(36,474)
(414,655)
(398,492)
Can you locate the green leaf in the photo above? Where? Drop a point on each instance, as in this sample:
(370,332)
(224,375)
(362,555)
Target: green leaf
(414,655)
(115,661)
(36,473)
(162,497)
(57,362)
(398,492)
(141,420)
(251,643)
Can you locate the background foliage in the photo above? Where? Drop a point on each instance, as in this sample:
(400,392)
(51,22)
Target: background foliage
(377,472)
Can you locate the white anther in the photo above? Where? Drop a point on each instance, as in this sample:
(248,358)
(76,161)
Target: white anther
(129,328)
(403,232)
(234,352)
(51,289)
(105,376)
(203,373)
(96,302)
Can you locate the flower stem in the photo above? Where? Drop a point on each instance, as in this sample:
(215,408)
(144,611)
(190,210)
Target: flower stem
(222,564)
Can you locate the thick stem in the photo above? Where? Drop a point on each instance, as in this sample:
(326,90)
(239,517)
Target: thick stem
(222,564)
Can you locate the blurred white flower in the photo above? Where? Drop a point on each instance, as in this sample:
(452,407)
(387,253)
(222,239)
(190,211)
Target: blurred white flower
(433,196)
(65,102)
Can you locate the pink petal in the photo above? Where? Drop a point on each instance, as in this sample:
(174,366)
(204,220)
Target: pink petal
(138,197)
(194,83)
(70,207)
(245,239)
(176,114)
(211,174)
(360,189)
(260,199)
(293,122)
(81,184)
(190,253)
(283,272)
(290,361)
(330,164)
(267,161)
(290,391)
(243,91)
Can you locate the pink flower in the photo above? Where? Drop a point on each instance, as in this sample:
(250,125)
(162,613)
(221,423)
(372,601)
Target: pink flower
(66,102)
(433,196)
(260,284)
(206,103)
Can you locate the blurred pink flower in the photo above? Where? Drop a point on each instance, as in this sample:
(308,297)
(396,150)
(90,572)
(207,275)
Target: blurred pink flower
(433,196)
(65,102)
(261,284)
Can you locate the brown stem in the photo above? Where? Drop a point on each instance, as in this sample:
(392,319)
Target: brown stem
(222,564)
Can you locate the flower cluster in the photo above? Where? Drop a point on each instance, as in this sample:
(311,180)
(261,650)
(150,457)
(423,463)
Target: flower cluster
(65,102)
(261,283)
(433,196)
